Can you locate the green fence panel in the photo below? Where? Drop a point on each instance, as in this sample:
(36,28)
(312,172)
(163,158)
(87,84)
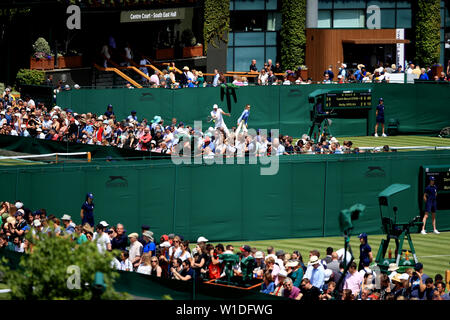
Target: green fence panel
(420,108)
(229,201)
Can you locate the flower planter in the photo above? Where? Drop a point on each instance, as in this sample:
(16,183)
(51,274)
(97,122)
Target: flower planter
(42,64)
(436,70)
(196,51)
(304,74)
(70,62)
(165,54)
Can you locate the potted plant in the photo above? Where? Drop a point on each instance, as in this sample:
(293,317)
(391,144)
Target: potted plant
(303,70)
(42,58)
(72,59)
(191,47)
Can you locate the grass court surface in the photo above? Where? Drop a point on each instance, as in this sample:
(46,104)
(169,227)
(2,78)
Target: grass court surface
(396,141)
(431,249)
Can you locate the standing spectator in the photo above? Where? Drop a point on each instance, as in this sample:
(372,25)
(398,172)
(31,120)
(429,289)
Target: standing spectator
(142,66)
(274,269)
(329,256)
(156,270)
(102,239)
(79,236)
(253,67)
(271,79)
(262,78)
(216,78)
(87,210)
(418,282)
(270,66)
(441,290)
(149,246)
(330,73)
(315,272)
(353,279)
(185,254)
(105,52)
(120,239)
(68,224)
(135,250)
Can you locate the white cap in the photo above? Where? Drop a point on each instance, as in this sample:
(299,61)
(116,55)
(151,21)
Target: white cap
(215,106)
(76,86)
(282,273)
(104,223)
(66,217)
(55,117)
(18,205)
(404,276)
(334,140)
(165,244)
(202,239)
(259,255)
(39,129)
(36,223)
(23,126)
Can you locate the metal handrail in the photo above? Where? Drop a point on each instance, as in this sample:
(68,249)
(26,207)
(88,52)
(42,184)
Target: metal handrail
(408,148)
(120,73)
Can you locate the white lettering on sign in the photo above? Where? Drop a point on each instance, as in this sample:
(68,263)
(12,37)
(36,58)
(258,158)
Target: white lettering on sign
(135,16)
(373,17)
(74,20)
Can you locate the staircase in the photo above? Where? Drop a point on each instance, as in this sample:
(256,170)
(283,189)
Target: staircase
(107,79)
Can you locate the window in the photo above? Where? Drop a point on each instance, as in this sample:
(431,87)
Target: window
(403,18)
(249,4)
(403,4)
(387,18)
(249,39)
(382,3)
(324,19)
(243,57)
(349,19)
(345,4)
(273,21)
(325,4)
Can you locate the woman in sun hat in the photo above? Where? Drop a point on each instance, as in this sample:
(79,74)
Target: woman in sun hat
(295,272)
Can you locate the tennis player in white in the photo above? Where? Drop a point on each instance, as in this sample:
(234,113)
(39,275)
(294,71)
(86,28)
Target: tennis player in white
(217,115)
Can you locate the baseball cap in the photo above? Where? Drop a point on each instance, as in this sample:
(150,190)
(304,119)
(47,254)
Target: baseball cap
(36,223)
(133,111)
(282,273)
(215,106)
(104,223)
(145,227)
(90,195)
(18,205)
(279,253)
(381,99)
(363,235)
(202,239)
(133,235)
(67,217)
(165,244)
(245,248)
(432,178)
(19,212)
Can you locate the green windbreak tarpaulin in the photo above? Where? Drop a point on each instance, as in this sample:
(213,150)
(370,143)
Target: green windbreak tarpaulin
(229,201)
(40,146)
(419,108)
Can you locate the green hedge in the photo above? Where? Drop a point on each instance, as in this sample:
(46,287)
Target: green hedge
(293,35)
(31,77)
(217,22)
(427,30)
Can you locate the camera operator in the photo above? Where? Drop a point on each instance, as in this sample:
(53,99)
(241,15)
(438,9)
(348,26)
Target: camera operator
(418,279)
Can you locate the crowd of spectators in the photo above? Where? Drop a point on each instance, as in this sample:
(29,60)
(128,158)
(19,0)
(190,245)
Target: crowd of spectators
(29,119)
(172,256)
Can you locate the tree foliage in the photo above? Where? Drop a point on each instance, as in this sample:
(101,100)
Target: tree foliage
(217,22)
(293,34)
(31,77)
(427,31)
(43,274)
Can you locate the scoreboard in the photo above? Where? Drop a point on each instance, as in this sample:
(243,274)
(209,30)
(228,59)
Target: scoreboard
(348,99)
(441,173)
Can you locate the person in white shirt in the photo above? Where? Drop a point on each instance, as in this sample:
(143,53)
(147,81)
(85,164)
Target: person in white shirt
(125,263)
(102,239)
(135,250)
(175,250)
(217,116)
(184,245)
(145,267)
(154,79)
(105,53)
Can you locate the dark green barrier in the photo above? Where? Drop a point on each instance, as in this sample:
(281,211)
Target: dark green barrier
(39,146)
(228,202)
(420,108)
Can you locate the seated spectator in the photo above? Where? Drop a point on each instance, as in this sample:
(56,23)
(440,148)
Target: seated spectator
(308,291)
(186,274)
(268,286)
(145,266)
(290,291)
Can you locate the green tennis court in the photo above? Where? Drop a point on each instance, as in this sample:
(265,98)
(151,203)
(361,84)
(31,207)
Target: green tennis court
(397,141)
(431,249)
(18,162)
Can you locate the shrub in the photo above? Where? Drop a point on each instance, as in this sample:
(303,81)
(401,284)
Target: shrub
(32,77)
(293,36)
(44,274)
(427,31)
(41,49)
(217,22)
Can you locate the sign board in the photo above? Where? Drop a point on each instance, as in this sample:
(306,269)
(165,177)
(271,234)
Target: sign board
(152,15)
(348,99)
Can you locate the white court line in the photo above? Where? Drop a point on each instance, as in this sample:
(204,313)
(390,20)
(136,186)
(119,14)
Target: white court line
(5,290)
(440,255)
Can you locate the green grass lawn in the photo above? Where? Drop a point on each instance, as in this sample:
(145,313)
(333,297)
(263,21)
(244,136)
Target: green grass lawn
(396,141)
(432,250)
